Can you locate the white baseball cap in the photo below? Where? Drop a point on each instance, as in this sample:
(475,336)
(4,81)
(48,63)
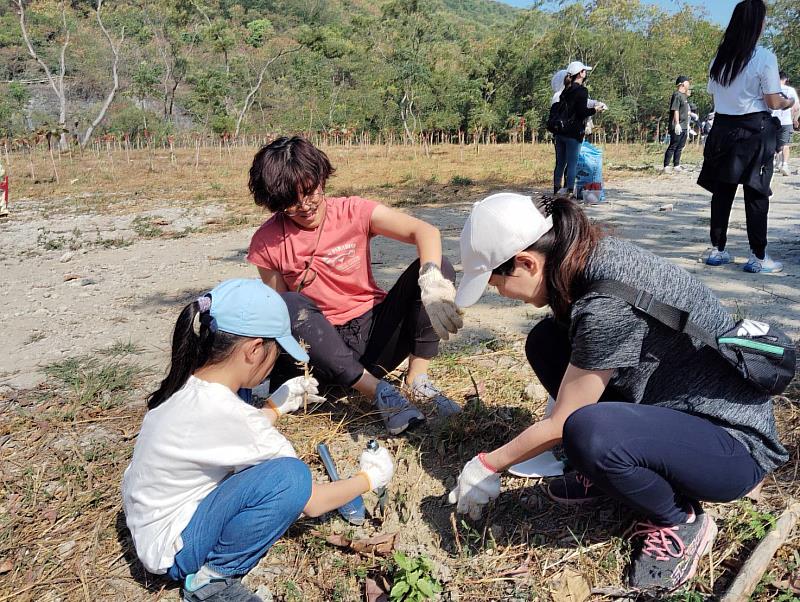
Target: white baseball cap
(499,227)
(576,67)
(557,83)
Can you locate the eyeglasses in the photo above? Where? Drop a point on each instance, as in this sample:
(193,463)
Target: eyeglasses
(307,203)
(504,269)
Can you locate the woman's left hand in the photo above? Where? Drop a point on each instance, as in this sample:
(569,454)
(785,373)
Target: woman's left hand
(438,298)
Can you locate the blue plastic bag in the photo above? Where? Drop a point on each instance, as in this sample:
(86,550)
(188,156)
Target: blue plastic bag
(590,172)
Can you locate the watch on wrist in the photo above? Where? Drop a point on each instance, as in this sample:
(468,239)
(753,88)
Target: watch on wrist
(427,267)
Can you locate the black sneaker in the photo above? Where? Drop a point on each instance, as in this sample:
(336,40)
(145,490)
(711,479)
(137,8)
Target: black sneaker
(664,558)
(574,488)
(229,589)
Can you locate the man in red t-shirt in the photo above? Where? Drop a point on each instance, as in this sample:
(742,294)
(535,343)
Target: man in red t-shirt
(315,251)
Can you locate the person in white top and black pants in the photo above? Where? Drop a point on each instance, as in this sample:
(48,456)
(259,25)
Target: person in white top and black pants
(744,81)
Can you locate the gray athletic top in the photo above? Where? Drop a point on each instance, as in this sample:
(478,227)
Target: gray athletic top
(656,365)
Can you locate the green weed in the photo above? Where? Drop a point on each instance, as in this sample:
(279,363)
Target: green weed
(755,523)
(413,579)
(461,181)
(145,227)
(91,381)
(121,348)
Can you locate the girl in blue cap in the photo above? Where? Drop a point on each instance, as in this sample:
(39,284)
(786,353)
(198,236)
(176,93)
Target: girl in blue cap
(212,483)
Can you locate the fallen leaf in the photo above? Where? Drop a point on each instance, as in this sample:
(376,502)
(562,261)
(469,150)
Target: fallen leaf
(382,545)
(374,592)
(571,587)
(6,566)
(51,515)
(340,541)
(68,277)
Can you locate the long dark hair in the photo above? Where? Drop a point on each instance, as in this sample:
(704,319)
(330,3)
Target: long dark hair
(569,80)
(566,248)
(739,41)
(192,350)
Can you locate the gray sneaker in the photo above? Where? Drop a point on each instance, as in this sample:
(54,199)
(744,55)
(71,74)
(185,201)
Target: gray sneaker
(664,558)
(397,412)
(228,589)
(424,390)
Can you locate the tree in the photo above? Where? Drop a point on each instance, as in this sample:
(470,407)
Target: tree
(114,46)
(56,81)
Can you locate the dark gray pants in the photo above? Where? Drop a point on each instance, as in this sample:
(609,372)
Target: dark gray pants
(378,341)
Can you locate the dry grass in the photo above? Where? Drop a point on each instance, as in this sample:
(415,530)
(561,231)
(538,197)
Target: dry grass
(62,533)
(395,175)
(65,444)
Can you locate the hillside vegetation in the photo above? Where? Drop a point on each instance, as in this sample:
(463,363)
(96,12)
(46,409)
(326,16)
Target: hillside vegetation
(438,69)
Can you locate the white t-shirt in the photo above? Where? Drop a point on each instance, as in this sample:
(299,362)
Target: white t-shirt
(745,94)
(785,115)
(185,448)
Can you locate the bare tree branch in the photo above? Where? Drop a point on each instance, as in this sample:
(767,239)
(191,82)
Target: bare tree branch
(248,101)
(115,51)
(57,83)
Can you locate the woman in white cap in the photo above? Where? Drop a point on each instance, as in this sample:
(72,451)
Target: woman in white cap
(212,483)
(677,424)
(576,108)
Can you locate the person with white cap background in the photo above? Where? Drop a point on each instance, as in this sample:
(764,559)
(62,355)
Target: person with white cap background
(575,108)
(676,425)
(212,484)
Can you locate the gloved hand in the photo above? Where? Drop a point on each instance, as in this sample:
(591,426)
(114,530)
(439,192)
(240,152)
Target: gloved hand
(289,396)
(477,485)
(438,298)
(678,129)
(378,467)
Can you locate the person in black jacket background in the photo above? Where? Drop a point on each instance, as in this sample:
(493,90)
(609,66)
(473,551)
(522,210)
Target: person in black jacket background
(575,98)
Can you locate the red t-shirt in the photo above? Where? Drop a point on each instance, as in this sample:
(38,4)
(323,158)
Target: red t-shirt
(343,287)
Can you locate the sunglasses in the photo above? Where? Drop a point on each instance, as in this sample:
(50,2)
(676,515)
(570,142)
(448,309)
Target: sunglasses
(308,203)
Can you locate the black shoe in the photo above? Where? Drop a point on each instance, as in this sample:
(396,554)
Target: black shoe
(574,488)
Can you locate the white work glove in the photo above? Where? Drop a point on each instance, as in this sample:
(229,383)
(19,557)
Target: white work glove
(439,299)
(477,485)
(291,394)
(377,466)
(678,129)
(600,106)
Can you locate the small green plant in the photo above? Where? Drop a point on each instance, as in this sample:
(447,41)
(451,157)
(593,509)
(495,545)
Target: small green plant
(120,348)
(461,181)
(92,381)
(755,524)
(146,227)
(413,579)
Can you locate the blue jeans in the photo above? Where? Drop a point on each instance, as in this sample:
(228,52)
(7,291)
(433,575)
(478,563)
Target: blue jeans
(235,525)
(567,152)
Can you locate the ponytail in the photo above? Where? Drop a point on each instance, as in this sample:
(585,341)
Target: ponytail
(569,80)
(192,349)
(566,247)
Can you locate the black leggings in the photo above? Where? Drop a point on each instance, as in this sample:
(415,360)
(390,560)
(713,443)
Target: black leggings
(378,341)
(756,207)
(652,459)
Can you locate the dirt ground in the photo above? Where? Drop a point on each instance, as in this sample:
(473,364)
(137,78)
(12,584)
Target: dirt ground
(79,279)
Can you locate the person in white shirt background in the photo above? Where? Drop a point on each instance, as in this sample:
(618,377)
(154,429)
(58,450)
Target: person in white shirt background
(744,81)
(789,123)
(212,483)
